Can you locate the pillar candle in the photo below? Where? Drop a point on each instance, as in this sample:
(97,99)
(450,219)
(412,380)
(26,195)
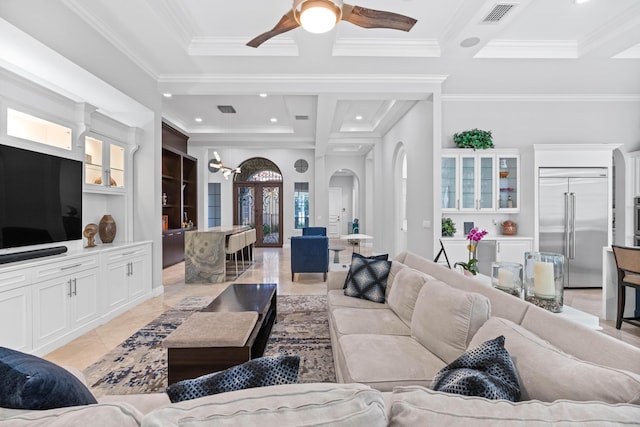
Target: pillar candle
(543,281)
(505,278)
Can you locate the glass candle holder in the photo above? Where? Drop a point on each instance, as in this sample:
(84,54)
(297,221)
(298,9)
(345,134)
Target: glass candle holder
(544,280)
(507,276)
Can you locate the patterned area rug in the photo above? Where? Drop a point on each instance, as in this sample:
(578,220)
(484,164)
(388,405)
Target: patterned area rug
(139,364)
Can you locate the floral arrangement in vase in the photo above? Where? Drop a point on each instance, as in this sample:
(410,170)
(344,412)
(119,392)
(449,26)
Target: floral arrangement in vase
(474,237)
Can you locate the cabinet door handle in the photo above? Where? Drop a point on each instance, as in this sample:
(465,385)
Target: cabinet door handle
(70,294)
(131,268)
(108,175)
(498,246)
(75,286)
(129,253)
(69,267)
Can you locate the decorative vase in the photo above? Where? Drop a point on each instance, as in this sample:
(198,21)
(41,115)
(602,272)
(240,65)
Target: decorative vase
(107,229)
(544,280)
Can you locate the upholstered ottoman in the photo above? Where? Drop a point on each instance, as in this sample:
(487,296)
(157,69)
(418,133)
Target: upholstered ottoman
(209,342)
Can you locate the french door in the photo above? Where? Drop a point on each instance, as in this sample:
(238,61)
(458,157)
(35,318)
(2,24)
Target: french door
(259,205)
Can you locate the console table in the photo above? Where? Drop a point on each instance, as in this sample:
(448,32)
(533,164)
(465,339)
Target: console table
(205,255)
(231,330)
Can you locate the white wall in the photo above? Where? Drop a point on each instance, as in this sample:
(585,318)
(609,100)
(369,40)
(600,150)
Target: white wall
(415,130)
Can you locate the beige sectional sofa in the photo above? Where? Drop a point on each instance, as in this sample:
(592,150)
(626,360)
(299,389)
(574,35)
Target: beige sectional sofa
(386,356)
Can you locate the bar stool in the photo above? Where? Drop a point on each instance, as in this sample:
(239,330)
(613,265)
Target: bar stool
(235,243)
(250,240)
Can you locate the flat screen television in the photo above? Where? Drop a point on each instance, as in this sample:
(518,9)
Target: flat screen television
(40,198)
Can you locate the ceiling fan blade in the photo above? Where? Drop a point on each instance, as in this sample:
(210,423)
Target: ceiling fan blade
(286,23)
(370,18)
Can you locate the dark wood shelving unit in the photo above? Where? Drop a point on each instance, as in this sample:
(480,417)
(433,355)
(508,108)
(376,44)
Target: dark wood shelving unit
(180,184)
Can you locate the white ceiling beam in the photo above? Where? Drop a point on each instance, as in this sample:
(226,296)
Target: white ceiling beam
(615,36)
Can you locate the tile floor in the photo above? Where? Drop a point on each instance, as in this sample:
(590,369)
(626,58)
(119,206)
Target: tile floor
(271,265)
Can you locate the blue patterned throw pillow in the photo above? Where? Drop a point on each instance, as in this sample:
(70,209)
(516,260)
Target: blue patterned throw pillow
(357,255)
(29,382)
(486,371)
(367,279)
(260,372)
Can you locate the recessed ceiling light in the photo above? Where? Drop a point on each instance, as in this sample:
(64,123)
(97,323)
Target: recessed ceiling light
(358,117)
(580,1)
(273,120)
(263,95)
(198,119)
(470,42)
(167,95)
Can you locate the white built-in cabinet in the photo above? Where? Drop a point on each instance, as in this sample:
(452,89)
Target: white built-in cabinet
(50,301)
(46,302)
(127,271)
(480,181)
(513,250)
(505,249)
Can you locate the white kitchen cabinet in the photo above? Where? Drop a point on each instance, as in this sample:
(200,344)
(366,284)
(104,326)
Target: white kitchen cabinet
(65,303)
(456,250)
(128,275)
(512,250)
(473,182)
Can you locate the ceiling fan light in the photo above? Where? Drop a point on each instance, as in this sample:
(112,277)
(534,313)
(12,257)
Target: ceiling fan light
(318,16)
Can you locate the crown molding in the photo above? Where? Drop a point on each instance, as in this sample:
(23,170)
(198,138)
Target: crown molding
(632,53)
(529,49)
(387,48)
(541,98)
(416,86)
(80,8)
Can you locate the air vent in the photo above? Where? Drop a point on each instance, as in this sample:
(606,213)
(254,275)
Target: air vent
(302,117)
(226,109)
(498,12)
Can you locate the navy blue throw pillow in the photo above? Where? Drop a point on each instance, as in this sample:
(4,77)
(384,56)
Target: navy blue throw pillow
(29,382)
(260,372)
(486,371)
(367,279)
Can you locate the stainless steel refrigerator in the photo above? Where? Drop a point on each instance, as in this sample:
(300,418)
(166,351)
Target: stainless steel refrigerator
(573,220)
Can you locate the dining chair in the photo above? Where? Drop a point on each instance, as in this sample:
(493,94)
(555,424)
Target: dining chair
(628,265)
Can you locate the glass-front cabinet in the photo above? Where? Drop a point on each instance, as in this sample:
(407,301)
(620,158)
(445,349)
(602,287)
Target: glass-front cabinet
(449,193)
(509,182)
(104,163)
(480,182)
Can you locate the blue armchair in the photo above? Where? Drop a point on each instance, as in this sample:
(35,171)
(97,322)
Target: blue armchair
(314,231)
(309,254)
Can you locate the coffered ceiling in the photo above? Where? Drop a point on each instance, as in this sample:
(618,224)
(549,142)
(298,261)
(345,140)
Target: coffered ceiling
(339,92)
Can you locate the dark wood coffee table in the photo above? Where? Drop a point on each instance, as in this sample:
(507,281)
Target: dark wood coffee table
(206,356)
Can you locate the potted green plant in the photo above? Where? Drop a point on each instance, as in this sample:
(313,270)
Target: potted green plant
(474,138)
(448,227)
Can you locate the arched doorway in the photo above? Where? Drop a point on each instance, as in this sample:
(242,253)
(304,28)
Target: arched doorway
(257,200)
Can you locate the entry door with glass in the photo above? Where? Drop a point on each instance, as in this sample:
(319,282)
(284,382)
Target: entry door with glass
(259,205)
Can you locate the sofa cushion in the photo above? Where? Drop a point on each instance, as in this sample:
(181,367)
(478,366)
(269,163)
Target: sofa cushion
(337,298)
(385,361)
(368,321)
(102,414)
(260,372)
(418,406)
(30,382)
(548,374)
(402,296)
(282,405)
(367,279)
(445,319)
(485,370)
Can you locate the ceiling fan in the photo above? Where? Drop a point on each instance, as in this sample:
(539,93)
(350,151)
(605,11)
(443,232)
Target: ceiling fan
(216,165)
(320,16)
